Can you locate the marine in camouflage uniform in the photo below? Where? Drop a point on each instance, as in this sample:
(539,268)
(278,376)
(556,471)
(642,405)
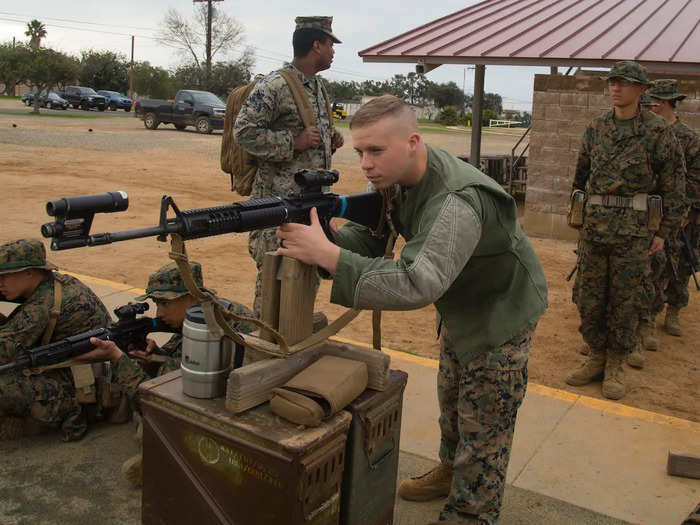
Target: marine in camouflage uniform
(464,252)
(269,123)
(675,291)
(620,158)
(47,398)
(165,286)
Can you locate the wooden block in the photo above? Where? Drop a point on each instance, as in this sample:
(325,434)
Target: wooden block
(685,464)
(297,296)
(271,285)
(251,384)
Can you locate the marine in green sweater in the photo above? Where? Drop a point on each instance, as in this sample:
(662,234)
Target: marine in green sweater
(464,252)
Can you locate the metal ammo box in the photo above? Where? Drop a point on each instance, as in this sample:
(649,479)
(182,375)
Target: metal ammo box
(202,464)
(372,455)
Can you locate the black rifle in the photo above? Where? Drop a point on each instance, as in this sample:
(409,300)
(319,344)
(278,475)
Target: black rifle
(128,332)
(74,215)
(688,252)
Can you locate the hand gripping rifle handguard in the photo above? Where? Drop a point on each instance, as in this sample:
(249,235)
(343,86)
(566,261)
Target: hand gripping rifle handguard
(128,332)
(74,215)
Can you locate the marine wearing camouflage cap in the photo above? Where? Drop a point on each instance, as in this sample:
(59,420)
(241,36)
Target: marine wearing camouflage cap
(322,23)
(645,100)
(16,256)
(629,70)
(665,89)
(167,283)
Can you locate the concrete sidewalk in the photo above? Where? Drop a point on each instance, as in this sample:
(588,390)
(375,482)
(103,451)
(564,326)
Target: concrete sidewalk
(575,459)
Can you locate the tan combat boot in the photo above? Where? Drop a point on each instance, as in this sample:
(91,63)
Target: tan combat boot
(132,470)
(635,358)
(590,370)
(672,323)
(647,332)
(614,382)
(434,484)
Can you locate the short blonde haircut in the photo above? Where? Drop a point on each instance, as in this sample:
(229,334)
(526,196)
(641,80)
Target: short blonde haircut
(384,107)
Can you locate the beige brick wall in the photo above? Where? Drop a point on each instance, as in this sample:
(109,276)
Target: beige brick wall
(562,108)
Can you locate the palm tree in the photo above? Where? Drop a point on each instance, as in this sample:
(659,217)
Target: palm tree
(36,31)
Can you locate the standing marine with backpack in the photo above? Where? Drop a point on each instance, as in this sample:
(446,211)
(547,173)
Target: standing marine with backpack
(286,124)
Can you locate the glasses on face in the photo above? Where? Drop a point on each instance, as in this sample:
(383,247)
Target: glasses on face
(621,82)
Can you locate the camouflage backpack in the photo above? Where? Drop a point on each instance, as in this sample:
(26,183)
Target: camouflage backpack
(235,160)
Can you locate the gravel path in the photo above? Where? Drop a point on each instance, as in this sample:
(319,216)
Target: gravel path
(108,134)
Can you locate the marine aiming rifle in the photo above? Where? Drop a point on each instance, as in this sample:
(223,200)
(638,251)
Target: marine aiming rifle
(74,215)
(689,257)
(128,332)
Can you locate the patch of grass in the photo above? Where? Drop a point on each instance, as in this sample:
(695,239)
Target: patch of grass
(9,97)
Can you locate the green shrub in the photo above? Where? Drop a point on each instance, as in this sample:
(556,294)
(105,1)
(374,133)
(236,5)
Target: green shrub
(447,116)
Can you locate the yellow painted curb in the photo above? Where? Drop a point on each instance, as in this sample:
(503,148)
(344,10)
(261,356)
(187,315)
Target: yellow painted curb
(601,405)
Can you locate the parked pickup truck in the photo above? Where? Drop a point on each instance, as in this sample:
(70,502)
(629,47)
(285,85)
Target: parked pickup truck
(201,109)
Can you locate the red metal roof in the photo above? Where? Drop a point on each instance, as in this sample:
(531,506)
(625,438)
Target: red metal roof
(665,33)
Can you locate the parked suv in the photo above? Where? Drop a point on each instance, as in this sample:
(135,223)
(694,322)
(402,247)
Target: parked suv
(84,98)
(116,100)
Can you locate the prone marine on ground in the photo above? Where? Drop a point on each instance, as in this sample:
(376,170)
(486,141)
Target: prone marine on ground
(631,172)
(167,289)
(272,127)
(464,249)
(52,306)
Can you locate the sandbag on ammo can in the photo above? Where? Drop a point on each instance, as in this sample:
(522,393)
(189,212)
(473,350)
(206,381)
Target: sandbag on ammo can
(320,390)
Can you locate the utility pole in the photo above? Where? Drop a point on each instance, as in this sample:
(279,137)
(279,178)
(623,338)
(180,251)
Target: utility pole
(210,10)
(131,71)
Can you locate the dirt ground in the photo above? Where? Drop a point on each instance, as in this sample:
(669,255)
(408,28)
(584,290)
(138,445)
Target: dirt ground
(47,158)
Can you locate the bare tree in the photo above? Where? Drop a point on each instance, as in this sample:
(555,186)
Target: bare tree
(189,36)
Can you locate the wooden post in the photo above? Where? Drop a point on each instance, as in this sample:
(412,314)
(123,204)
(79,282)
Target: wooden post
(271,285)
(297,296)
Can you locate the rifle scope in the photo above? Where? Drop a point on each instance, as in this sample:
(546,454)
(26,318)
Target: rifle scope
(71,207)
(307,178)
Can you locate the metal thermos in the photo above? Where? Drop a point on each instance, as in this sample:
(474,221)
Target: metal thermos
(206,360)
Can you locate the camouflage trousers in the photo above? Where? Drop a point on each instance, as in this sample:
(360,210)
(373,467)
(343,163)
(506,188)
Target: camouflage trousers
(48,398)
(677,289)
(655,285)
(259,243)
(611,284)
(478,407)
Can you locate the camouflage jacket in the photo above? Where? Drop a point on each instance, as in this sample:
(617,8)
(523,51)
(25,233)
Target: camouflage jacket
(644,158)
(81,310)
(129,375)
(267,124)
(690,143)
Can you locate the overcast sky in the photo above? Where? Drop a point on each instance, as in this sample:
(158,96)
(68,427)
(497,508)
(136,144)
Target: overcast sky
(80,25)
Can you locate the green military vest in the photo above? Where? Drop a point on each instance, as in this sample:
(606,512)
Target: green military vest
(502,289)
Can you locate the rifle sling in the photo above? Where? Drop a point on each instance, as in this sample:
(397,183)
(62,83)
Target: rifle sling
(217,317)
(54,312)
(385,220)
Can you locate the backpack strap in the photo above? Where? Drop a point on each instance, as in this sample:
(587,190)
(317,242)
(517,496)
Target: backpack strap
(306,112)
(54,313)
(328,105)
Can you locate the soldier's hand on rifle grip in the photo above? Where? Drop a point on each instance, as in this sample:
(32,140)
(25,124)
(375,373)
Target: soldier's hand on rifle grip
(308,138)
(143,355)
(308,244)
(104,350)
(657,245)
